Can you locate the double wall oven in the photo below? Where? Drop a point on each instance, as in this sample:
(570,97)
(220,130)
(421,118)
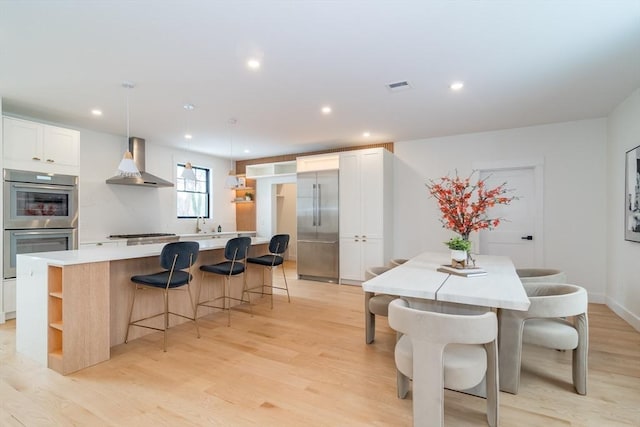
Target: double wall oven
(40,214)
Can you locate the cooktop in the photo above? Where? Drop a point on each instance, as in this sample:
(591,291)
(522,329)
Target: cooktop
(136,236)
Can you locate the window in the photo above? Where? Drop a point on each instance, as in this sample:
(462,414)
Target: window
(193,197)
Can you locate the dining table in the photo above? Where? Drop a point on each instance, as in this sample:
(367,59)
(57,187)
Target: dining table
(419,278)
(419,281)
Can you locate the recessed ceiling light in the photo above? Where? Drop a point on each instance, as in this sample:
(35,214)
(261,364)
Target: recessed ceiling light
(96,112)
(188,136)
(366,134)
(247,151)
(456,85)
(326,110)
(253,64)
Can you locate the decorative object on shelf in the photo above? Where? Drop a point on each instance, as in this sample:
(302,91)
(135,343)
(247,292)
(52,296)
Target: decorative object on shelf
(632,199)
(232,179)
(464,205)
(248,196)
(242,181)
(187,172)
(127,166)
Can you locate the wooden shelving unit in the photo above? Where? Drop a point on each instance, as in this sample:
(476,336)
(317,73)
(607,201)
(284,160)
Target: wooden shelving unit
(245,209)
(78,316)
(55,320)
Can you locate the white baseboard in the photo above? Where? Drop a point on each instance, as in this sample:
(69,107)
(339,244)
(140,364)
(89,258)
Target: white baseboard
(626,315)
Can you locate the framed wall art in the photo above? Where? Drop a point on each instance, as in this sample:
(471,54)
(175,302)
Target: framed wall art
(632,196)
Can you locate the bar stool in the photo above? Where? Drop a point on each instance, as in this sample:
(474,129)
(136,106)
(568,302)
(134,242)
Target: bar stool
(174,258)
(235,251)
(277,246)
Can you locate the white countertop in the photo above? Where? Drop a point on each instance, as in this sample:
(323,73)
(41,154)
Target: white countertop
(112,253)
(195,236)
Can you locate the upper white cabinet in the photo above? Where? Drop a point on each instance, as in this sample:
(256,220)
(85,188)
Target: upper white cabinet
(39,147)
(267,170)
(319,162)
(366,209)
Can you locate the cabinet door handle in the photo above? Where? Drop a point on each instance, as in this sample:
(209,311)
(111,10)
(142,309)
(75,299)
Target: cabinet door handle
(35,158)
(50,161)
(527,237)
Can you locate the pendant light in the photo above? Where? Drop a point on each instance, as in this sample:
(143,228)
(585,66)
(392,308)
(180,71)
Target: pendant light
(187,172)
(127,166)
(232,179)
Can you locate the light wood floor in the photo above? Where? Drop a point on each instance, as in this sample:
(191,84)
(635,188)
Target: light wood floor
(304,364)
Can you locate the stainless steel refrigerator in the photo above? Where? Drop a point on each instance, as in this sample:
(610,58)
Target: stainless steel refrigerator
(318,222)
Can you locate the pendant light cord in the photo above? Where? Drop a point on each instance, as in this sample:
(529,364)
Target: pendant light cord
(128,88)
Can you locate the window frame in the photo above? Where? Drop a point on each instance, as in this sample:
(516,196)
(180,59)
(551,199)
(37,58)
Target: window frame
(207,192)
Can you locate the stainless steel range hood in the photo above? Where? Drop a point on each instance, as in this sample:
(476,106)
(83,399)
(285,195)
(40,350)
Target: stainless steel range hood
(136,146)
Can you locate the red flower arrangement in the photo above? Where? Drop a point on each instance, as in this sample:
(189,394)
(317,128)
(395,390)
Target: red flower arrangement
(464,205)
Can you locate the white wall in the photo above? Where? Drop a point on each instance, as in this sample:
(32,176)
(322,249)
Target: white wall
(623,280)
(266,203)
(118,209)
(575,196)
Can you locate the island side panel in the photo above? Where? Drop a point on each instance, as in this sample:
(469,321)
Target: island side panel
(31,308)
(85,315)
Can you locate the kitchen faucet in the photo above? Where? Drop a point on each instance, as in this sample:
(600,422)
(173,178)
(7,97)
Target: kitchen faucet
(198,229)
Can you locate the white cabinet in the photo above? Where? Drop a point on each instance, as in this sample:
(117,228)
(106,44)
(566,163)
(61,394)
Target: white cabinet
(366,209)
(319,162)
(266,170)
(9,297)
(38,147)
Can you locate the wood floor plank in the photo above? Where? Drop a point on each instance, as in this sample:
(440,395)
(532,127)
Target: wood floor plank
(304,363)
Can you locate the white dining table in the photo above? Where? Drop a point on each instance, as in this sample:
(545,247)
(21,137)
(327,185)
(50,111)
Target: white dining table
(419,278)
(419,281)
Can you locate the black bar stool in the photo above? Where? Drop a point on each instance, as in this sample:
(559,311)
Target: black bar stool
(277,246)
(174,258)
(235,251)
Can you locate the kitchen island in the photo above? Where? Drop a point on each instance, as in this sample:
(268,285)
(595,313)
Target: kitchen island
(73,306)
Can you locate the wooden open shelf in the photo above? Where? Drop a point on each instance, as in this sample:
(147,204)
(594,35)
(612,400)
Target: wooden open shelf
(245,209)
(78,316)
(54,346)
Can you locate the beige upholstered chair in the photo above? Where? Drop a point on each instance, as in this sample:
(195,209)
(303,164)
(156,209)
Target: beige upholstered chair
(545,324)
(397,261)
(441,350)
(541,275)
(374,305)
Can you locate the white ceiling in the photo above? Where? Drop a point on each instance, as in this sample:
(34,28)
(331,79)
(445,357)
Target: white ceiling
(523,62)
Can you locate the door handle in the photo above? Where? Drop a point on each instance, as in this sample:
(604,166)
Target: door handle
(319,206)
(527,237)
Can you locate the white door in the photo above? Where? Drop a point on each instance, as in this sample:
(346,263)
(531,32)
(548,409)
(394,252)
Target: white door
(519,235)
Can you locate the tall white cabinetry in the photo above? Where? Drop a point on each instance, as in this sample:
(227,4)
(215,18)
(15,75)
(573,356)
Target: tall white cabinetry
(366,209)
(39,147)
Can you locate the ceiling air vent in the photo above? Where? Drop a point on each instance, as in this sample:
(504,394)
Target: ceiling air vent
(398,86)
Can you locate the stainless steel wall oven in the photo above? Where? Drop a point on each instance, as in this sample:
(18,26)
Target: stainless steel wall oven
(40,214)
